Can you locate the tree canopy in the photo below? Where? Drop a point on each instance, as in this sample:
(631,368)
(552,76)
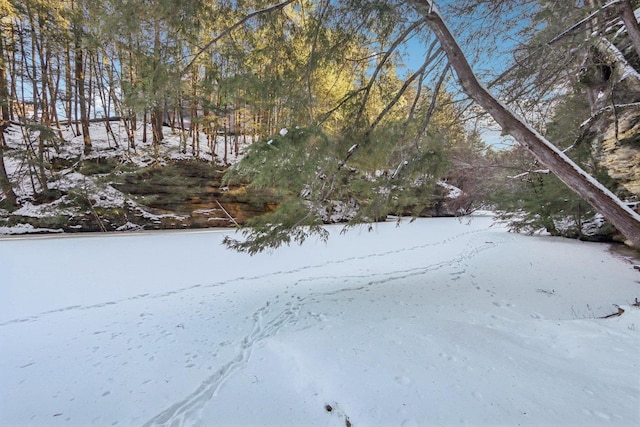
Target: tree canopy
(345,129)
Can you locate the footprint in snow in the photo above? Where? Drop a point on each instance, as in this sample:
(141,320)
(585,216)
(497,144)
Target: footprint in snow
(403,380)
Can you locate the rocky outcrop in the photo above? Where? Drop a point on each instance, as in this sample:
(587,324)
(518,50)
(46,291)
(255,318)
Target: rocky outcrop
(614,128)
(190,194)
(618,147)
(177,195)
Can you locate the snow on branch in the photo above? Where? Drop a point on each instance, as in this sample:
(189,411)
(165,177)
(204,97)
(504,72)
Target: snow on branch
(523,174)
(596,115)
(582,22)
(613,55)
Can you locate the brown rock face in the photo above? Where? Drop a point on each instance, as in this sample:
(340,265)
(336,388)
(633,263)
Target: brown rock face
(618,147)
(614,128)
(190,194)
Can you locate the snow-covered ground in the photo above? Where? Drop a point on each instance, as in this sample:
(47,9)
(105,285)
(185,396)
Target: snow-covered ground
(437,322)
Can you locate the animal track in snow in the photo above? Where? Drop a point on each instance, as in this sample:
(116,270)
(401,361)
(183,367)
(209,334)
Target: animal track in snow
(320,266)
(189,410)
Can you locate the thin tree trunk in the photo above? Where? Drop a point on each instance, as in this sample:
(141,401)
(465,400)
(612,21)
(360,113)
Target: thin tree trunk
(603,200)
(80,76)
(40,99)
(68,85)
(226,137)
(131,113)
(183,139)
(157,111)
(5,117)
(5,184)
(105,98)
(89,79)
(21,68)
(82,100)
(195,133)
(236,130)
(54,92)
(157,115)
(12,70)
(144,126)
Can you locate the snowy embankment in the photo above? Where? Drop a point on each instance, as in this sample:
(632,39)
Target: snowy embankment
(88,182)
(437,322)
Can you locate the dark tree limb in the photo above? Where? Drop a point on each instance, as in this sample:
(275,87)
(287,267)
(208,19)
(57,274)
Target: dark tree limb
(631,24)
(603,200)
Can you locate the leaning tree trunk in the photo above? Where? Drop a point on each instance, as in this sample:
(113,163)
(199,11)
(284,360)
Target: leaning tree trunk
(631,24)
(603,200)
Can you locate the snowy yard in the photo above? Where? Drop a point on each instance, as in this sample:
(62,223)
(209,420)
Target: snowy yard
(437,322)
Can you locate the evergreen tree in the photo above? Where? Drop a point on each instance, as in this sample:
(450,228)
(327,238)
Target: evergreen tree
(535,199)
(385,153)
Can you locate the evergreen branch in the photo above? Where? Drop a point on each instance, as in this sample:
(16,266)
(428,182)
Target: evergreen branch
(232,28)
(580,23)
(416,100)
(309,70)
(432,105)
(343,101)
(523,174)
(586,125)
(373,55)
(404,87)
(401,38)
(554,40)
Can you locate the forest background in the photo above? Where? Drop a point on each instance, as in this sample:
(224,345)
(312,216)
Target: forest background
(329,111)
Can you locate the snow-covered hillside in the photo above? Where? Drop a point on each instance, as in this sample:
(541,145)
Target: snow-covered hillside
(437,322)
(82,194)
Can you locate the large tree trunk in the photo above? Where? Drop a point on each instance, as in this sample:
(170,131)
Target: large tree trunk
(631,24)
(603,200)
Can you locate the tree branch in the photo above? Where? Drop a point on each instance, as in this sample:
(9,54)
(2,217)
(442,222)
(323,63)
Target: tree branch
(401,38)
(582,22)
(232,28)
